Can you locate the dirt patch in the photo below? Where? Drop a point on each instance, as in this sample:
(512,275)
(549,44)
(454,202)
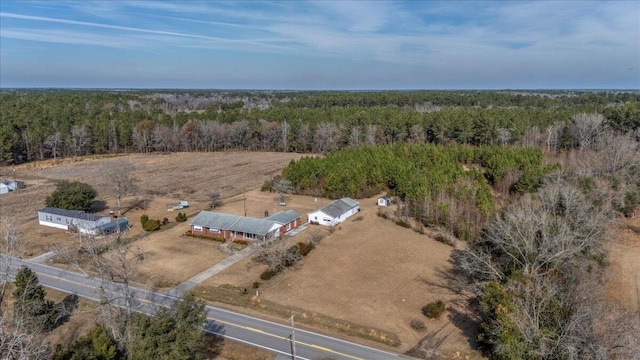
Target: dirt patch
(623,285)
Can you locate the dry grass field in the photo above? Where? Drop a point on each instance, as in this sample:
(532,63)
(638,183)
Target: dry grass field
(369,272)
(623,285)
(163,179)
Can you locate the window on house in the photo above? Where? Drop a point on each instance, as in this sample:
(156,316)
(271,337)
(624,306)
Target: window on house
(250,236)
(197,228)
(214,230)
(59,219)
(289,226)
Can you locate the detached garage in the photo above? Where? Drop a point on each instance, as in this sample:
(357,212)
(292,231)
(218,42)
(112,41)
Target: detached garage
(334,213)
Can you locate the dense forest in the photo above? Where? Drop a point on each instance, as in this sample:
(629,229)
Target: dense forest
(445,186)
(42,124)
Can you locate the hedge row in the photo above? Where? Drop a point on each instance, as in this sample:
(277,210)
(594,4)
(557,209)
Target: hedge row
(206,237)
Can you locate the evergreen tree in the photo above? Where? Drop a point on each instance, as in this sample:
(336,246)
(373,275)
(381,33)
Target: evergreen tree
(30,305)
(72,195)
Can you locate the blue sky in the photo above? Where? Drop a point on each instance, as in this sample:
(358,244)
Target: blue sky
(320,44)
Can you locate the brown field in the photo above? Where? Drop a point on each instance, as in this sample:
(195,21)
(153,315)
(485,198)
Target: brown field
(369,272)
(163,179)
(171,258)
(623,285)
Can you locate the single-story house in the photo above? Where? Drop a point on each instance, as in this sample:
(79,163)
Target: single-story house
(384,201)
(335,212)
(289,219)
(79,221)
(234,227)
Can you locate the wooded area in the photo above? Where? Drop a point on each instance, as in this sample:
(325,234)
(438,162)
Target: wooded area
(42,124)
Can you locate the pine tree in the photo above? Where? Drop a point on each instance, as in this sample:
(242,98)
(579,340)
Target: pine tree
(30,306)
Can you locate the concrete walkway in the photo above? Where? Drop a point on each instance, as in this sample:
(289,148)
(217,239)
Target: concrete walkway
(44,257)
(215,269)
(295,232)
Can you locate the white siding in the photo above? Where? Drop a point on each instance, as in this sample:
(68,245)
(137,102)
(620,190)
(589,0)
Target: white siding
(321,218)
(51,224)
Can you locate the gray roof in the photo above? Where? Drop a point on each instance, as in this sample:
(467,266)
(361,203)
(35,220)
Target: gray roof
(120,224)
(339,207)
(220,221)
(76,214)
(284,217)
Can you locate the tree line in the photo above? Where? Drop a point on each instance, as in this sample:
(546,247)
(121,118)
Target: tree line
(39,125)
(447,186)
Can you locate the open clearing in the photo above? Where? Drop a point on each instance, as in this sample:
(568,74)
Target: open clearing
(623,283)
(163,179)
(370,272)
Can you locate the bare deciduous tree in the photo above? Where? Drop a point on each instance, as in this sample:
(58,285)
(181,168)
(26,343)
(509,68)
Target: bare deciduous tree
(121,181)
(618,153)
(586,128)
(215,200)
(109,260)
(504,136)
(12,245)
(54,143)
(80,139)
(553,136)
(276,255)
(17,342)
(283,187)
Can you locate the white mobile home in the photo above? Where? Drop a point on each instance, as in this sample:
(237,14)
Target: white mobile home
(72,220)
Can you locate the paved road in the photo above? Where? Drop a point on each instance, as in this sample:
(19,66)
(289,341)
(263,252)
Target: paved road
(246,329)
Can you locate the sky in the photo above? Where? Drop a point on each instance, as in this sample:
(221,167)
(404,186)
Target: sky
(320,45)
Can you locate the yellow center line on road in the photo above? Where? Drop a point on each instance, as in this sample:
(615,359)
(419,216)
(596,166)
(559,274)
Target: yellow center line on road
(322,348)
(286,338)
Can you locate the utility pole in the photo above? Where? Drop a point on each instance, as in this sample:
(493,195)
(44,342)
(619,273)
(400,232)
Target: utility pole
(293,338)
(244,198)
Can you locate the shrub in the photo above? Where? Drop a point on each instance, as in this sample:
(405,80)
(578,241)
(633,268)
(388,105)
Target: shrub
(403,223)
(182,217)
(267,186)
(417,325)
(433,310)
(165,221)
(315,237)
(305,247)
(149,224)
(206,237)
(256,284)
(444,238)
(242,242)
(268,274)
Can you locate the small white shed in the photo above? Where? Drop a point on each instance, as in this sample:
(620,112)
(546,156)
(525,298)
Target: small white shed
(384,201)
